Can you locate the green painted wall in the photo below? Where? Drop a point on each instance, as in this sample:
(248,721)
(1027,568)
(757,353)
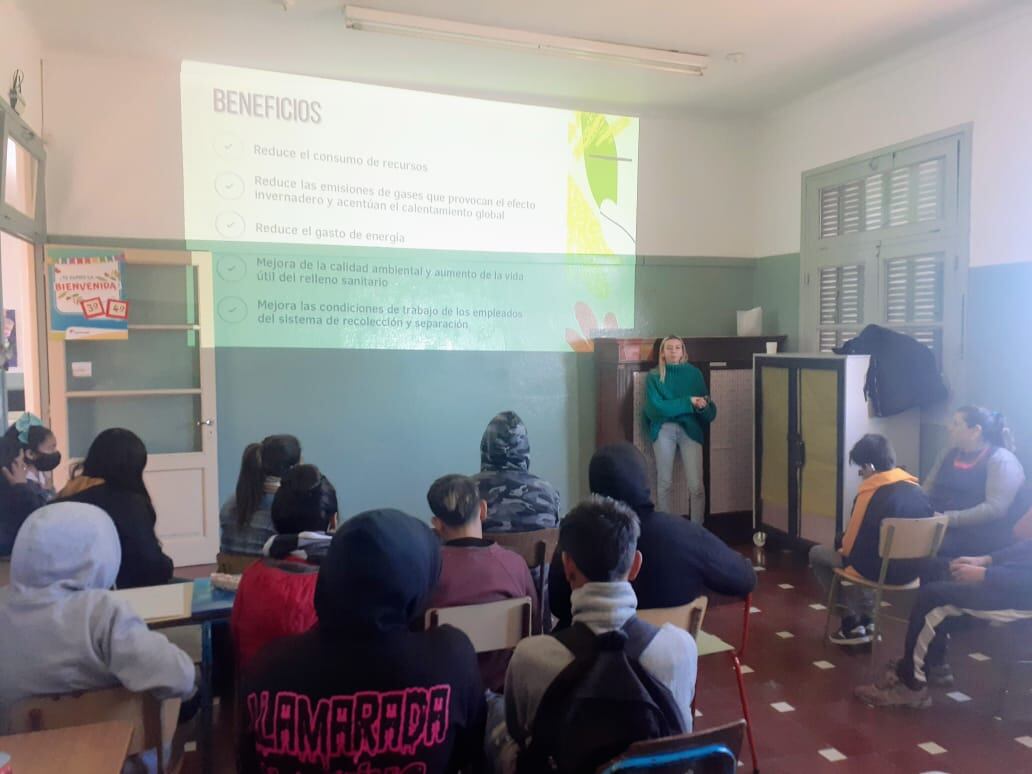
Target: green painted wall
(776,289)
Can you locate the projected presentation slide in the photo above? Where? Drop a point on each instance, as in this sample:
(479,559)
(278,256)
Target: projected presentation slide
(349,215)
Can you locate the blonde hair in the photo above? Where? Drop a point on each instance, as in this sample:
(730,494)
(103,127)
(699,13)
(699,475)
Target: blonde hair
(662,357)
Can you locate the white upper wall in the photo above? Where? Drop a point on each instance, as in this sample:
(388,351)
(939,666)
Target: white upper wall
(21,49)
(114,147)
(115,162)
(983,77)
(707,186)
(694,183)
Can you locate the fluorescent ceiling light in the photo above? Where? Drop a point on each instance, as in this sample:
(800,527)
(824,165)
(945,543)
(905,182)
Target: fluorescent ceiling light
(441,29)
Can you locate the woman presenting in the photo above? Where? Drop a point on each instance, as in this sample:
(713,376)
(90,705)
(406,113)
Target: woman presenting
(677,412)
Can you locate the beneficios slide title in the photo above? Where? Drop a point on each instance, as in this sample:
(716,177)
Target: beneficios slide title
(272,106)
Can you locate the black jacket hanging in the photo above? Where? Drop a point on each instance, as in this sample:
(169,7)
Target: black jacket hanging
(903,372)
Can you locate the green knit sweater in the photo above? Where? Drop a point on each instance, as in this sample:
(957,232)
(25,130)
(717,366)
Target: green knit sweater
(671,401)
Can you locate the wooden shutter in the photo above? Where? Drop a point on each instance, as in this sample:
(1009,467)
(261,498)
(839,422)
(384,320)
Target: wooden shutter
(914,298)
(908,194)
(841,305)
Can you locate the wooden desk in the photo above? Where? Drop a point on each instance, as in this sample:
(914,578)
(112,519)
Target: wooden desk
(98,748)
(183,604)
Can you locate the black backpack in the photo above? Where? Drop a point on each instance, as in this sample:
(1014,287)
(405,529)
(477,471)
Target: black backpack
(600,704)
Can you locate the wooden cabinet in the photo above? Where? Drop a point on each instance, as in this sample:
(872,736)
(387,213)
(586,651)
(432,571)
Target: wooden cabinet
(726,364)
(810,410)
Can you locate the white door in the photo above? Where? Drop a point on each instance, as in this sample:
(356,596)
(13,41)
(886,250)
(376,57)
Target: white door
(159,383)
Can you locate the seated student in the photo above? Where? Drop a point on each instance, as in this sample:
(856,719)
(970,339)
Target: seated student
(974,483)
(40,446)
(517,500)
(63,631)
(682,559)
(244,519)
(111,477)
(885,492)
(597,540)
(19,495)
(474,570)
(396,699)
(275,596)
(997,587)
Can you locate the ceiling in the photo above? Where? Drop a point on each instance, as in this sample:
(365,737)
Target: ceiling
(790,46)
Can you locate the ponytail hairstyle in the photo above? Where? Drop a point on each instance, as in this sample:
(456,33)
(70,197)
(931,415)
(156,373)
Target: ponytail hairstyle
(662,357)
(271,458)
(29,432)
(993,424)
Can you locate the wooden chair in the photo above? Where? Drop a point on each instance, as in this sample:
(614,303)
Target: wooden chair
(153,721)
(705,752)
(234,564)
(688,617)
(899,539)
(537,548)
(490,626)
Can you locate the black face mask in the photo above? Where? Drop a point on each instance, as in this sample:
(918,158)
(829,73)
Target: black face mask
(46,462)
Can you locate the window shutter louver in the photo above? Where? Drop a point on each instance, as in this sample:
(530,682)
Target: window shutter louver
(914,298)
(929,190)
(885,241)
(841,304)
(906,195)
(829,212)
(874,193)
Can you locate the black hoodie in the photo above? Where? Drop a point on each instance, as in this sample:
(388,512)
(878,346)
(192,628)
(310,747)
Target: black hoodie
(680,559)
(361,692)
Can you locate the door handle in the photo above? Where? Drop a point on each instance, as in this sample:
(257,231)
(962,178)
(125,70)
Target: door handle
(206,423)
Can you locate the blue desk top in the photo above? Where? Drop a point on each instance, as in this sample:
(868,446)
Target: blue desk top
(210,602)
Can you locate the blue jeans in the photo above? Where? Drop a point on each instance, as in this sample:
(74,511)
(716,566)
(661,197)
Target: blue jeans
(672,437)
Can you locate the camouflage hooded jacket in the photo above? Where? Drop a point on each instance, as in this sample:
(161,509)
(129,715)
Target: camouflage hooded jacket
(517,500)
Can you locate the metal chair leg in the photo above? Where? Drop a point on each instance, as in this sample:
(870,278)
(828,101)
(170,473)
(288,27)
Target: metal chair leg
(832,602)
(737,664)
(876,622)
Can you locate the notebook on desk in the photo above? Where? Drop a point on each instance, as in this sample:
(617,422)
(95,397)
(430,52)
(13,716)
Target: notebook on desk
(155,604)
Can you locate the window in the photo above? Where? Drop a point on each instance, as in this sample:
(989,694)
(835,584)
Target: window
(841,304)
(21,177)
(906,195)
(885,242)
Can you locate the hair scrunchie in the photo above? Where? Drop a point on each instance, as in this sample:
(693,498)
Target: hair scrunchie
(26,421)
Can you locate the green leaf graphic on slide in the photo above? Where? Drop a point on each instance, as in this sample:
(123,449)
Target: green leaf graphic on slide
(599,156)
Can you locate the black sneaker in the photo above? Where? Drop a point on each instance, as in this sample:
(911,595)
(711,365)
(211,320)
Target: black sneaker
(851,634)
(940,675)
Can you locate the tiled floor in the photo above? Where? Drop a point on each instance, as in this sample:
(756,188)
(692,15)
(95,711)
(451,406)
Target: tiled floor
(800,691)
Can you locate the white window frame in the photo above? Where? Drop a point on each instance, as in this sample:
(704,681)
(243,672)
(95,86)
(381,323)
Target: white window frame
(947,235)
(29,228)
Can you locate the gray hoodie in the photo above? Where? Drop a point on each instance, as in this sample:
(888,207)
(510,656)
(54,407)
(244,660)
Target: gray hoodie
(61,630)
(671,658)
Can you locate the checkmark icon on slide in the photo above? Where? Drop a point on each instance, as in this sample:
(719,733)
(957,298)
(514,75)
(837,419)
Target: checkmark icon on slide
(229,224)
(232,309)
(228,146)
(232,268)
(229,185)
